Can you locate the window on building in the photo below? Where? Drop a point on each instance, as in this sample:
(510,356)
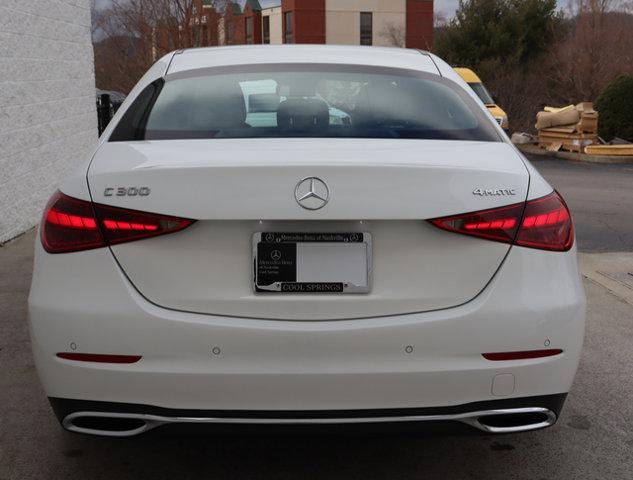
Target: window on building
(288,30)
(366,28)
(249,30)
(265,29)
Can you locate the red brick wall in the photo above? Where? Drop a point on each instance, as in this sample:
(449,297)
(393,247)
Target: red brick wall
(236,23)
(212,17)
(419,24)
(257,24)
(203,26)
(308,19)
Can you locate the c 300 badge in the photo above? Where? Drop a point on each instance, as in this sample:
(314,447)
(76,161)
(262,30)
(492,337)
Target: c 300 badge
(126,191)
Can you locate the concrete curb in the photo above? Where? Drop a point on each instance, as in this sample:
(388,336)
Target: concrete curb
(612,270)
(531,149)
(13,239)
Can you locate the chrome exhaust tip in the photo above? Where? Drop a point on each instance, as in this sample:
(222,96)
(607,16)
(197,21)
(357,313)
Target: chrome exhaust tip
(108,424)
(511,420)
(112,424)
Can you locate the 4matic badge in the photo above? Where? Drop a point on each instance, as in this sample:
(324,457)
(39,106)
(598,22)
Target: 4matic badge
(494,192)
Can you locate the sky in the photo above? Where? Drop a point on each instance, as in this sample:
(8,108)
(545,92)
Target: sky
(445,7)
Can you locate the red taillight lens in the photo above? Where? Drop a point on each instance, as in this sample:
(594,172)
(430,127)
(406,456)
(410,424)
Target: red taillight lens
(543,223)
(499,224)
(119,225)
(546,224)
(70,225)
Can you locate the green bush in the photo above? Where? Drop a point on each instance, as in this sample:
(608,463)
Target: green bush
(615,107)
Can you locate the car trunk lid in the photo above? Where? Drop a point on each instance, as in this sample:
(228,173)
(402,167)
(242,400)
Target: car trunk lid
(237,188)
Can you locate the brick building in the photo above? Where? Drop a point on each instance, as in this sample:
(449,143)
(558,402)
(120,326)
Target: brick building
(404,23)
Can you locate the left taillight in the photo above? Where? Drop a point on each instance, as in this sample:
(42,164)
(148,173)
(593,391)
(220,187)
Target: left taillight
(71,225)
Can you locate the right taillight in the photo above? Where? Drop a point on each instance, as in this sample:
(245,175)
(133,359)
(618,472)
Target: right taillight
(546,224)
(542,223)
(70,225)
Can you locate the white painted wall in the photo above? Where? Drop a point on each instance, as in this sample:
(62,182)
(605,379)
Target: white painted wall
(276,30)
(342,20)
(221,31)
(48,118)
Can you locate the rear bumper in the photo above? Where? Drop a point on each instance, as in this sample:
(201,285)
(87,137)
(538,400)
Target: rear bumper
(125,420)
(212,363)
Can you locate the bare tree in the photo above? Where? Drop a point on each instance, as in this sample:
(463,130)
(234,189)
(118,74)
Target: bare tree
(598,48)
(135,33)
(95,17)
(439,19)
(394,34)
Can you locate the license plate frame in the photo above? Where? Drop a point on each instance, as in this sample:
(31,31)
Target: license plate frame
(282,262)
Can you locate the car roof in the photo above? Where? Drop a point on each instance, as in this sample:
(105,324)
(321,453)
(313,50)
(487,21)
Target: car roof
(195,58)
(468,75)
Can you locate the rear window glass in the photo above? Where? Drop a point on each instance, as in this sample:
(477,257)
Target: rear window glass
(269,101)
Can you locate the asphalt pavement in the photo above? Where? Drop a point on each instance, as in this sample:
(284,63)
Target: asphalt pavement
(592,440)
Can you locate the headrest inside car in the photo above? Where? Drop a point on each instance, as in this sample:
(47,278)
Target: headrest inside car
(303,114)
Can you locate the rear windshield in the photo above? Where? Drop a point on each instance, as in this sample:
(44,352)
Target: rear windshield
(304,100)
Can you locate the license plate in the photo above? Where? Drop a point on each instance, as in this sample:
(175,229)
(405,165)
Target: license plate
(289,262)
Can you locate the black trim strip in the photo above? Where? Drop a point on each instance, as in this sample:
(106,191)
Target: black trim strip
(63,407)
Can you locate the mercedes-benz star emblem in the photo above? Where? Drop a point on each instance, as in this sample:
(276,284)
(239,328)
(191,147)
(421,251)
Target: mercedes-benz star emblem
(312,193)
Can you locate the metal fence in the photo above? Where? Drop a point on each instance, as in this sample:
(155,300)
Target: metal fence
(107,105)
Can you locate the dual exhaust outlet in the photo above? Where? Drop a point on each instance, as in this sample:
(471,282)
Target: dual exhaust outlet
(111,424)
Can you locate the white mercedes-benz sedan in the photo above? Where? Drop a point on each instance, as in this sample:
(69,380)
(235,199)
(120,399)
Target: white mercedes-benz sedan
(305,235)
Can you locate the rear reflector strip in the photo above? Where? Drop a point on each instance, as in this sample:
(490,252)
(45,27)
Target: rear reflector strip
(99,358)
(499,356)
